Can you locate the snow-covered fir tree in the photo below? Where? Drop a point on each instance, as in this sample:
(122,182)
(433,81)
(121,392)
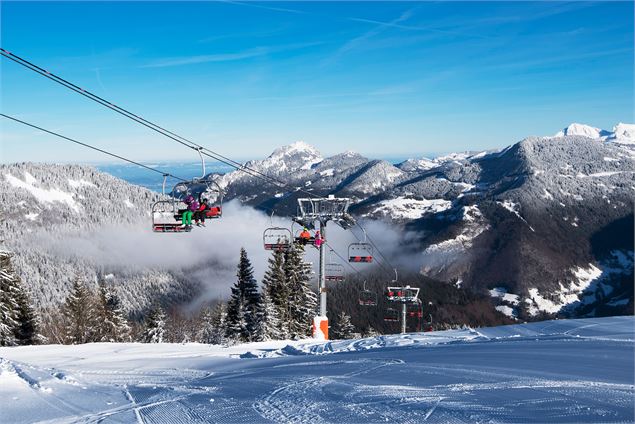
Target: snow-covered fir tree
(269,326)
(275,288)
(113,325)
(302,301)
(370,332)
(343,328)
(154,326)
(242,308)
(79,314)
(9,293)
(27,330)
(212,325)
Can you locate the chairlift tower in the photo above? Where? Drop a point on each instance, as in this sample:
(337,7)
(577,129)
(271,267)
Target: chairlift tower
(404,295)
(323,210)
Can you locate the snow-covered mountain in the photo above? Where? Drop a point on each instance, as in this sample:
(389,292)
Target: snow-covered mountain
(51,212)
(545,221)
(544,226)
(621,133)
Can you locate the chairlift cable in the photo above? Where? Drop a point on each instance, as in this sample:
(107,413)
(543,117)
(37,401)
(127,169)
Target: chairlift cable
(179,139)
(91,147)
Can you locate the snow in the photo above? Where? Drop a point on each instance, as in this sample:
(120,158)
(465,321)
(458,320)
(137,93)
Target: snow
(43,195)
(580,129)
(471,213)
(29,179)
(565,295)
(504,309)
(327,172)
(550,371)
(502,294)
(80,183)
(598,174)
(31,216)
(621,134)
(128,204)
(513,208)
(401,207)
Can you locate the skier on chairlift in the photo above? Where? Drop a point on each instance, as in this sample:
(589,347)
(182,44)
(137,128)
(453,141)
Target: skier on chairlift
(192,206)
(318,239)
(199,215)
(305,236)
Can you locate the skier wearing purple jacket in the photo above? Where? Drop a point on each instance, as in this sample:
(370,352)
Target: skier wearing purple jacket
(192,206)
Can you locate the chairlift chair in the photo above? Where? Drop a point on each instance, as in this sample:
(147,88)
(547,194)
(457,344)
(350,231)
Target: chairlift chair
(391,315)
(215,210)
(360,253)
(427,325)
(334,272)
(367,297)
(414,310)
(303,241)
(277,238)
(165,218)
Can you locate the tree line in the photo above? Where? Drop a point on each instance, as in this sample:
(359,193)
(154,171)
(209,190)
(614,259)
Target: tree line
(280,308)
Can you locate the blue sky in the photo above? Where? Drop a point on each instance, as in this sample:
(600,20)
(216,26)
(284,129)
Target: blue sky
(383,79)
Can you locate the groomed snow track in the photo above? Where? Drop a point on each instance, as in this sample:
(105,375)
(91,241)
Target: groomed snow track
(567,371)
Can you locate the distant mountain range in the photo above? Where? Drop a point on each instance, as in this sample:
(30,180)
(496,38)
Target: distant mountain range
(544,226)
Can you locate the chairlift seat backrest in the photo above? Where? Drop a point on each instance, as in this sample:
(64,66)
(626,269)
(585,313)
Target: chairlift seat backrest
(367,298)
(391,315)
(277,238)
(334,272)
(360,253)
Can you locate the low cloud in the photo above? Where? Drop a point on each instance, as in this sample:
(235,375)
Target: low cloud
(210,255)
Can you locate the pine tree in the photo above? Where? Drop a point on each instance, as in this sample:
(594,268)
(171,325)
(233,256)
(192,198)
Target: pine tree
(302,300)
(212,325)
(154,326)
(27,330)
(343,327)
(9,293)
(79,314)
(242,311)
(268,321)
(111,320)
(370,332)
(274,288)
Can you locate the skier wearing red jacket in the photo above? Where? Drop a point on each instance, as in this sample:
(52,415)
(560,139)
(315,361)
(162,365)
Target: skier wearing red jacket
(199,215)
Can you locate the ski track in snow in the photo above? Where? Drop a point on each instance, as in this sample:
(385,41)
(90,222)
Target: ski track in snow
(553,371)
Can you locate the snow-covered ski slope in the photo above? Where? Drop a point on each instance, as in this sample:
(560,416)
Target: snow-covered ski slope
(566,371)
